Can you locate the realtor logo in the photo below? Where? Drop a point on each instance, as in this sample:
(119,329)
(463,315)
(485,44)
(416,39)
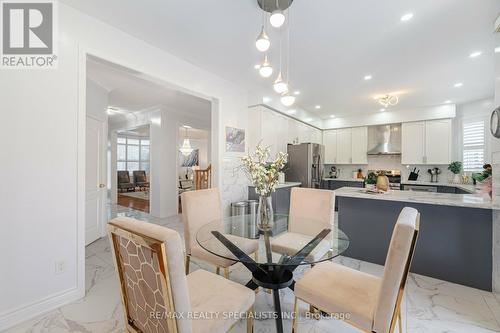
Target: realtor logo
(28,34)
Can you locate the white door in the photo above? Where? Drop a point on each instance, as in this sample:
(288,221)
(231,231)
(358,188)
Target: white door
(95,173)
(413,143)
(330,143)
(438,141)
(359,145)
(344,146)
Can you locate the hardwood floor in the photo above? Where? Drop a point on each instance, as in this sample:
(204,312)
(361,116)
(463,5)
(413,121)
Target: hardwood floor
(134,203)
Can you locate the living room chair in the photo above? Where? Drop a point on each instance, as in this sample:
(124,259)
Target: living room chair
(156,294)
(373,303)
(202,207)
(311,211)
(140,179)
(124,180)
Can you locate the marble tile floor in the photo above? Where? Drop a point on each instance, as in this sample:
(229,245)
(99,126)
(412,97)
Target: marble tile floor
(430,305)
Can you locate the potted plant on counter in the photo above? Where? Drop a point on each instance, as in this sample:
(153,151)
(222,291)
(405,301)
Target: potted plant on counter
(264,174)
(371,180)
(455,167)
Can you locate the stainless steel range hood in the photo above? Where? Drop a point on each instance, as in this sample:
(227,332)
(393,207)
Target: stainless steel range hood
(384,140)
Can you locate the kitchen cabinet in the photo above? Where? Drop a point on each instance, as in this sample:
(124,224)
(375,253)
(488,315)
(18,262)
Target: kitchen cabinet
(438,141)
(426,142)
(330,143)
(344,146)
(413,143)
(359,145)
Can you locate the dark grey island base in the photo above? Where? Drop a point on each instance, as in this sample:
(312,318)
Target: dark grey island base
(280,198)
(454,244)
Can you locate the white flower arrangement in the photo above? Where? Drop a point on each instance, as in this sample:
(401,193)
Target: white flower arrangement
(263,174)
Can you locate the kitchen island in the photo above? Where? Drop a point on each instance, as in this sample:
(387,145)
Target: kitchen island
(280,197)
(455,239)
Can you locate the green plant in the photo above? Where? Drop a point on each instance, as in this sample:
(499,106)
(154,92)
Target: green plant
(371,178)
(455,167)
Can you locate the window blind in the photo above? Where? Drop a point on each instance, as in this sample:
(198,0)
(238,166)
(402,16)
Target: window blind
(473,145)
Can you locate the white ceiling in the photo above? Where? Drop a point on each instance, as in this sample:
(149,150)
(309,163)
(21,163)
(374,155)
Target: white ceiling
(334,44)
(129,92)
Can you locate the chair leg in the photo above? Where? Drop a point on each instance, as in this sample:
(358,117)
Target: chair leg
(294,316)
(226,272)
(188,258)
(250,320)
(400,321)
(217,270)
(314,312)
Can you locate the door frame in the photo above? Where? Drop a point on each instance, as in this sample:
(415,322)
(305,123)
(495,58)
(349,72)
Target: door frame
(83,52)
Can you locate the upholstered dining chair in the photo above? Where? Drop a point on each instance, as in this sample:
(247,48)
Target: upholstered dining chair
(372,304)
(202,207)
(156,294)
(311,211)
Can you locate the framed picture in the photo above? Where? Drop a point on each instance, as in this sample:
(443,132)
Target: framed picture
(189,160)
(235,140)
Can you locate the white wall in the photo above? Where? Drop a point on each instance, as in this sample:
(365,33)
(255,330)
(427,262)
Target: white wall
(42,199)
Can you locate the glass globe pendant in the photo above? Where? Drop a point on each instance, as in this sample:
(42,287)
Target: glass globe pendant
(280,86)
(265,69)
(287,99)
(262,43)
(277,18)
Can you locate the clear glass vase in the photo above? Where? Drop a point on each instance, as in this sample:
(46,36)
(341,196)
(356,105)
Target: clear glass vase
(265,214)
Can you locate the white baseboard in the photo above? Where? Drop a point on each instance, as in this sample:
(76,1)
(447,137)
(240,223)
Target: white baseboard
(17,316)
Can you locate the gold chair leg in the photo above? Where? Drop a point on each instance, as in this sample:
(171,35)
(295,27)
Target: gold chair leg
(187,264)
(256,256)
(294,316)
(217,270)
(226,272)
(250,320)
(400,321)
(314,312)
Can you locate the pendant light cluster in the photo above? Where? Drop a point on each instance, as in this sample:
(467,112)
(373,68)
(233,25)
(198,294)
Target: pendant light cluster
(277,20)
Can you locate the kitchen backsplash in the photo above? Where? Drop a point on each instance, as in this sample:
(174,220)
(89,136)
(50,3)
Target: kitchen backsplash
(390,162)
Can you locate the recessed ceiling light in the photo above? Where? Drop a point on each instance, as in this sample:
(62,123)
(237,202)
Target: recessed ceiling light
(497,49)
(447,102)
(407,17)
(317,107)
(296,92)
(475,54)
(308,119)
(266,99)
(291,111)
(368,77)
(332,116)
(256,66)
(458,84)
(382,110)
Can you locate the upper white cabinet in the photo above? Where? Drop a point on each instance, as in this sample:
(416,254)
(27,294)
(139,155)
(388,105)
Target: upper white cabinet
(359,145)
(426,142)
(438,141)
(413,143)
(330,143)
(344,146)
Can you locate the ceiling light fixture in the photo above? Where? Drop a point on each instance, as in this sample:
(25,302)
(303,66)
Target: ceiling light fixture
(256,66)
(388,100)
(280,86)
(406,17)
(382,110)
(291,111)
(458,84)
(296,92)
(266,99)
(287,99)
(332,116)
(368,77)
(475,54)
(277,18)
(497,49)
(186,148)
(317,107)
(308,119)
(262,43)
(447,102)
(265,69)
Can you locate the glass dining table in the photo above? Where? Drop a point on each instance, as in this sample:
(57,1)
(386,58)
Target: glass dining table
(282,249)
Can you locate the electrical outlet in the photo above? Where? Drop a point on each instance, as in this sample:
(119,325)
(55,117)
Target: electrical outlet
(60,267)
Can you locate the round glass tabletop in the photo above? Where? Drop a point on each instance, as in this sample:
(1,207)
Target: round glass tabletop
(284,242)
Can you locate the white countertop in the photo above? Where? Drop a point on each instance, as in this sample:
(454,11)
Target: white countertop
(346,179)
(466,187)
(285,184)
(478,200)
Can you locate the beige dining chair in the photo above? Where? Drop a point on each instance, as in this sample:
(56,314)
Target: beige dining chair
(311,211)
(156,294)
(372,304)
(198,209)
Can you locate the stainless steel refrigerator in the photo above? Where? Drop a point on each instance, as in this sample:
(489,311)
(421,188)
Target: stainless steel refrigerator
(305,164)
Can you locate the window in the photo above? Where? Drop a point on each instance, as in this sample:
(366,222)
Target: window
(132,154)
(473,145)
